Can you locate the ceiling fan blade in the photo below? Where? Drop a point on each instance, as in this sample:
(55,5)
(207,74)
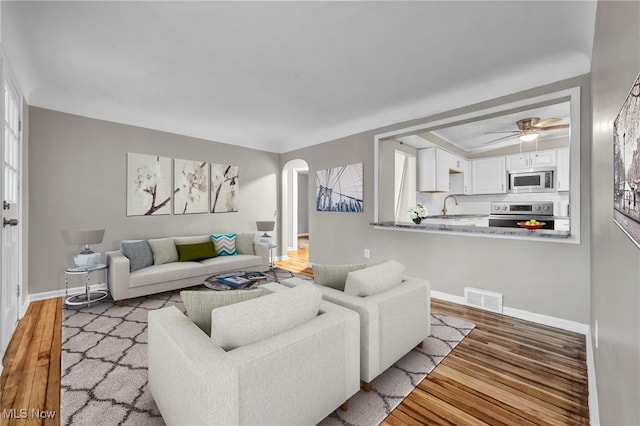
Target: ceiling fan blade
(502,138)
(502,131)
(558,126)
(545,123)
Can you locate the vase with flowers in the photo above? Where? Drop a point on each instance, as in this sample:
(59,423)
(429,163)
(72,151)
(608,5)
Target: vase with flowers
(418,213)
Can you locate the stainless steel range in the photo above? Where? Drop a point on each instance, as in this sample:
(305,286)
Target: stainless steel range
(507,215)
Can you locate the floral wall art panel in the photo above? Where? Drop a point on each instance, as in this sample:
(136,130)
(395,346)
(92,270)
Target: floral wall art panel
(148,185)
(191,186)
(340,189)
(224,188)
(626,165)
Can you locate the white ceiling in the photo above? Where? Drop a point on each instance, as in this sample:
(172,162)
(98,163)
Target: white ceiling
(283,75)
(472,136)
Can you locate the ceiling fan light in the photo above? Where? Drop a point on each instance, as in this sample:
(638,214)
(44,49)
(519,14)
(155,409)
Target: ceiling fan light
(528,137)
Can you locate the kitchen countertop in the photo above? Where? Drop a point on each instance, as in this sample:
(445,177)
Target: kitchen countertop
(474,230)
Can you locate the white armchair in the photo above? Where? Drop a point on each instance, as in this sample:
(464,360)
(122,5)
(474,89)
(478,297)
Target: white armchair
(394,318)
(294,377)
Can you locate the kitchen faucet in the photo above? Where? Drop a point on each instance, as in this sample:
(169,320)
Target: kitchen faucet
(444,205)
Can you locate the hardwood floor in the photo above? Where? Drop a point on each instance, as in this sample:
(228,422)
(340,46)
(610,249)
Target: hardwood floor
(298,261)
(30,381)
(505,372)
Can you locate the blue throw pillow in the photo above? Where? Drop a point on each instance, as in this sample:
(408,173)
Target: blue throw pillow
(139,254)
(224,244)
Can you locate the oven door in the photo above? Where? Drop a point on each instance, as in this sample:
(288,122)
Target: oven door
(511,220)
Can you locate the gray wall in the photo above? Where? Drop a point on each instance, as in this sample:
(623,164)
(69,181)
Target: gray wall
(615,261)
(78,179)
(303,203)
(541,277)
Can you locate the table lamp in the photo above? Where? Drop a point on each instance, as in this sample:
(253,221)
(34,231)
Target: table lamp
(265,226)
(85,237)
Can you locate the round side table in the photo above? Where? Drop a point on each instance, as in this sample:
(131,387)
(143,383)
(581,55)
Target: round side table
(88,296)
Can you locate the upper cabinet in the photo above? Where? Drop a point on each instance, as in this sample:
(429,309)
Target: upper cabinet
(442,171)
(489,175)
(433,170)
(528,160)
(563,172)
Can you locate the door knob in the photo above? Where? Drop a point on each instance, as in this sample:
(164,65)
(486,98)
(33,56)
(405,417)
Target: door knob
(10,222)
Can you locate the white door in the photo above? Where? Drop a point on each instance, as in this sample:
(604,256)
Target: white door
(10,178)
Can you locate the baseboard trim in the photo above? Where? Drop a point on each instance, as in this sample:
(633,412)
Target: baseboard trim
(564,324)
(585,329)
(594,412)
(61,293)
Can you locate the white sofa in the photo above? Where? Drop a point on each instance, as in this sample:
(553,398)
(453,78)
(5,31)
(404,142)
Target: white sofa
(295,376)
(124,284)
(394,318)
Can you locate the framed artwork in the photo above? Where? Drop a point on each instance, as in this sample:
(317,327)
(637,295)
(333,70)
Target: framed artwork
(190,187)
(626,165)
(340,189)
(224,188)
(148,185)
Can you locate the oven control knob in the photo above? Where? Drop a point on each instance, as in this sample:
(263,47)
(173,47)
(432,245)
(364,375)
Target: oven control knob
(504,208)
(537,208)
(546,208)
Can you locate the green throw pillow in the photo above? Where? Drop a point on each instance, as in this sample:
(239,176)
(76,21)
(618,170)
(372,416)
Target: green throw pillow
(196,251)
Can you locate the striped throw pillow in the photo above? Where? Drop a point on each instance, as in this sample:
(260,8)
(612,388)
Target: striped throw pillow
(224,244)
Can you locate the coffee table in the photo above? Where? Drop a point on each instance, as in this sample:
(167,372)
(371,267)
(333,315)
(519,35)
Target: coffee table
(213,283)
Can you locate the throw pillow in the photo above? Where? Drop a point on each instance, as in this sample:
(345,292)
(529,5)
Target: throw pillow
(334,276)
(192,240)
(375,279)
(138,253)
(244,243)
(196,251)
(164,250)
(199,304)
(225,244)
(255,320)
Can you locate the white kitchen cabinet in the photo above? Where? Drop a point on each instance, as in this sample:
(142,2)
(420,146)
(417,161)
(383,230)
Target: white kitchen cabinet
(460,176)
(489,175)
(433,170)
(528,160)
(563,170)
(442,171)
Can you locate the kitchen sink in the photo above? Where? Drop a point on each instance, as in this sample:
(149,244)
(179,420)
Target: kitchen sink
(456,216)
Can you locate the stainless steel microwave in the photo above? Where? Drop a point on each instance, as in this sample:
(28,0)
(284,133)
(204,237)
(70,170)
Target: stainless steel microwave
(531,180)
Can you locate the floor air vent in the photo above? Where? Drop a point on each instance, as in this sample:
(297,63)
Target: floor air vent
(483,299)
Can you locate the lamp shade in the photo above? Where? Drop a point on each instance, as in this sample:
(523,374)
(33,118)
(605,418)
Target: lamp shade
(85,237)
(265,225)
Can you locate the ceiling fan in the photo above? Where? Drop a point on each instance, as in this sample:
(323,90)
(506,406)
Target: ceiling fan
(529,129)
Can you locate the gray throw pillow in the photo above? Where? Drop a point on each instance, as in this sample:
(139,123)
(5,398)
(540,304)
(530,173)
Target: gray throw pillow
(138,253)
(199,304)
(255,320)
(374,279)
(164,250)
(334,276)
(244,243)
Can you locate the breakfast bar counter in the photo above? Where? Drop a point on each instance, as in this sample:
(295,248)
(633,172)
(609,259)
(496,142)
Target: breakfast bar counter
(481,231)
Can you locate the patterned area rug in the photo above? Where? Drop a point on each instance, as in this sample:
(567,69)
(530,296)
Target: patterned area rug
(104,366)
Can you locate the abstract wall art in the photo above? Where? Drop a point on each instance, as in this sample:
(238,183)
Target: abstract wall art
(148,185)
(340,189)
(626,165)
(191,186)
(224,188)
